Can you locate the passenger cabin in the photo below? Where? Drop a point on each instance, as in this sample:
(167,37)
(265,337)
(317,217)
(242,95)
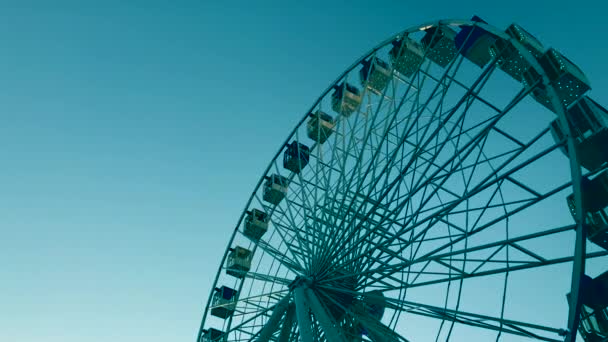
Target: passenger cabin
(256,224)
(474,43)
(275,189)
(223,302)
(296,157)
(594,309)
(438,43)
(589,125)
(212,335)
(511,61)
(375,75)
(239,262)
(406,56)
(374,304)
(595,198)
(346,99)
(569,81)
(320,126)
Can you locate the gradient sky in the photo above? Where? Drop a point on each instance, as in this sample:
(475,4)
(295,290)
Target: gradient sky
(133,132)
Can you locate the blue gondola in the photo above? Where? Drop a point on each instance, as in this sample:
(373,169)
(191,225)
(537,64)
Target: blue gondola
(474,43)
(223,302)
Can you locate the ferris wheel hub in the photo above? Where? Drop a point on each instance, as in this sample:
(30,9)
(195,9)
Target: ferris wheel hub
(301,281)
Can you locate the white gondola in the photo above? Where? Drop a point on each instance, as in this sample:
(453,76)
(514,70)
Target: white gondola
(223,303)
(595,197)
(406,56)
(474,43)
(569,81)
(320,126)
(346,99)
(440,44)
(296,157)
(375,75)
(589,126)
(239,262)
(212,335)
(275,189)
(511,60)
(256,224)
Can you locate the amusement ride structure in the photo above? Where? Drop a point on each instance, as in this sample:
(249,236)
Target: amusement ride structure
(451,185)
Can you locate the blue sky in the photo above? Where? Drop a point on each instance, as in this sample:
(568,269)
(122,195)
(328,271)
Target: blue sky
(133,132)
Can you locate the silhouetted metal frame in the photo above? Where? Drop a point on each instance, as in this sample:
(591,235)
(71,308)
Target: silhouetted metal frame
(580,240)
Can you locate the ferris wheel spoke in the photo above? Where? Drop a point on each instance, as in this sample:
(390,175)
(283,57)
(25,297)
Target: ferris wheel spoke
(279,256)
(470,232)
(466,88)
(385,141)
(386,129)
(282,216)
(243,303)
(497,180)
(272,324)
(348,143)
(393,213)
(247,324)
(263,277)
(307,211)
(479,81)
(370,164)
(484,184)
(522,266)
(293,231)
(397,198)
(281,230)
(513,242)
(349,150)
(293,222)
(478,320)
(320,261)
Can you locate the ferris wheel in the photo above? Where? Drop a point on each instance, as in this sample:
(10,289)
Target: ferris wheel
(450,185)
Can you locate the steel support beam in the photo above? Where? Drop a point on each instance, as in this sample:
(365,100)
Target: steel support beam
(325,320)
(273,322)
(287,324)
(302,314)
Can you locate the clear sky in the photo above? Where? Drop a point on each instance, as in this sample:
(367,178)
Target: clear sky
(133,132)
